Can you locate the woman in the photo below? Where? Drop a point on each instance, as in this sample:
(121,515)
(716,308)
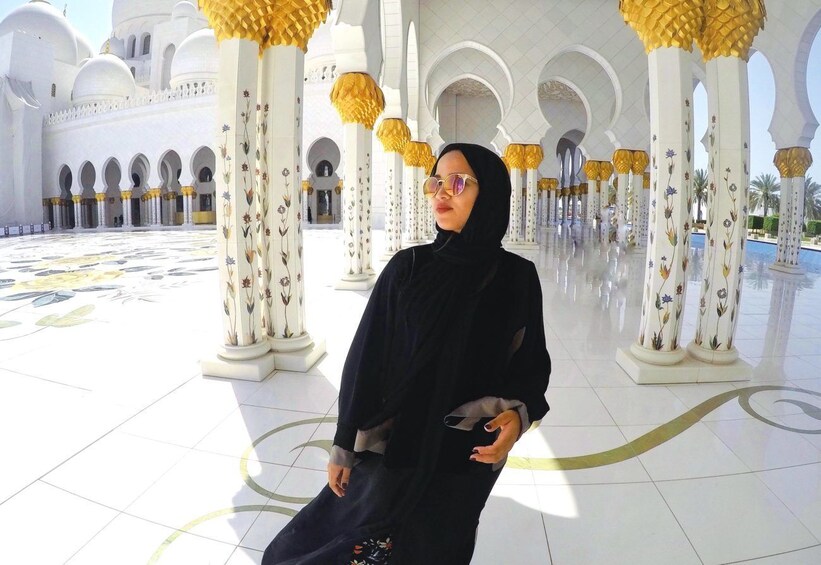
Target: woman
(446,371)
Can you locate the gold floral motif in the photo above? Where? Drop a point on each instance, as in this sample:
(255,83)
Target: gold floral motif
(543,184)
(782,163)
(56,201)
(125,195)
(664,23)
(647,181)
(623,161)
(417,154)
(552,184)
(800,160)
(394,135)
(77,199)
(68,281)
(591,169)
(730,27)
(515,155)
(266,22)
(605,170)
(640,162)
(358,99)
(533,156)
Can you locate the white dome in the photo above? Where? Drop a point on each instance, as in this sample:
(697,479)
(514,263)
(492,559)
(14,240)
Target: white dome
(84,48)
(196,59)
(104,78)
(125,10)
(184,10)
(42,20)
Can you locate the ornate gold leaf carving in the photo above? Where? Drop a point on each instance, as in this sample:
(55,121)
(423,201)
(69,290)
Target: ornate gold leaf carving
(394,135)
(664,23)
(357,98)
(533,156)
(623,160)
(730,27)
(640,162)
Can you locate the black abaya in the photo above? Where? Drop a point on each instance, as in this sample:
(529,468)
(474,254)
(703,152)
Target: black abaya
(446,324)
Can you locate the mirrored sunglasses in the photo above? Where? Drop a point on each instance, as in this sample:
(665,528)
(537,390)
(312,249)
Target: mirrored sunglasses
(453,184)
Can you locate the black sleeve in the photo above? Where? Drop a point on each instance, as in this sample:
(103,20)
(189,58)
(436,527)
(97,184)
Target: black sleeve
(360,389)
(529,368)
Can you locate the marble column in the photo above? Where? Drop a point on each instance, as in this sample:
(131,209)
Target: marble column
(544,201)
(430,220)
(726,50)
(394,135)
(359,101)
(415,160)
(637,168)
(244,352)
(668,36)
(101,212)
(583,189)
(78,211)
(515,159)
(57,212)
(186,205)
(644,210)
(793,162)
(172,208)
(622,161)
(533,158)
(125,196)
(283,317)
(592,170)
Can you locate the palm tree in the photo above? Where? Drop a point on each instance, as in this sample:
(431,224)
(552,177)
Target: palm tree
(764,192)
(812,199)
(700,190)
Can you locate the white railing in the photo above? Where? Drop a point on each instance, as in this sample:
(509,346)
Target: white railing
(182,92)
(322,73)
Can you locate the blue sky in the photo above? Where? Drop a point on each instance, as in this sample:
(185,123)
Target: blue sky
(93,19)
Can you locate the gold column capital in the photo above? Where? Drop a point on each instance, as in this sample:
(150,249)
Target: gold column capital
(646,182)
(306,184)
(125,195)
(100,197)
(565,191)
(605,170)
(187,190)
(515,155)
(552,184)
(533,156)
(358,99)
(640,162)
(623,160)
(77,199)
(800,160)
(782,162)
(56,201)
(592,169)
(268,23)
(543,184)
(394,135)
(730,28)
(664,23)
(583,188)
(417,154)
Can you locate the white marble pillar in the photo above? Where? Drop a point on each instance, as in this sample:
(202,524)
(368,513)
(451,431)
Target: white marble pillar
(125,197)
(671,88)
(359,101)
(57,213)
(245,351)
(78,211)
(281,247)
(415,205)
(726,225)
(644,206)
(796,162)
(172,208)
(393,212)
(622,161)
(533,158)
(186,206)
(583,214)
(101,215)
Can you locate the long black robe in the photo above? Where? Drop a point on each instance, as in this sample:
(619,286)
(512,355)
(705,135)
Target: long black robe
(446,324)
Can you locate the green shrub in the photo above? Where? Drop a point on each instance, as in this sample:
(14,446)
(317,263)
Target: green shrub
(755,222)
(813,228)
(771,225)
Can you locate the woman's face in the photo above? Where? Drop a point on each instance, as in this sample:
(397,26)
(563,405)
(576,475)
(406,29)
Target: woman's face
(452,212)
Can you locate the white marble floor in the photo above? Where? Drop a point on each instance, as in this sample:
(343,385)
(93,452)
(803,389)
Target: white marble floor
(114,448)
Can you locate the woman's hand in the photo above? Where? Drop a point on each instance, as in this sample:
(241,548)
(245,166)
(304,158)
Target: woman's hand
(338,477)
(510,425)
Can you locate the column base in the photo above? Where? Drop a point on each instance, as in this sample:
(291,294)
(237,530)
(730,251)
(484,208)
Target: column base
(252,363)
(789,269)
(688,370)
(300,360)
(356,282)
(712,356)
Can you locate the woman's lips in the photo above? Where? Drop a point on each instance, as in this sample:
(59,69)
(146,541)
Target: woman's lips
(443,208)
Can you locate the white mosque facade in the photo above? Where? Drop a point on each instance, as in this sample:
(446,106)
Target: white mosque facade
(340,107)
